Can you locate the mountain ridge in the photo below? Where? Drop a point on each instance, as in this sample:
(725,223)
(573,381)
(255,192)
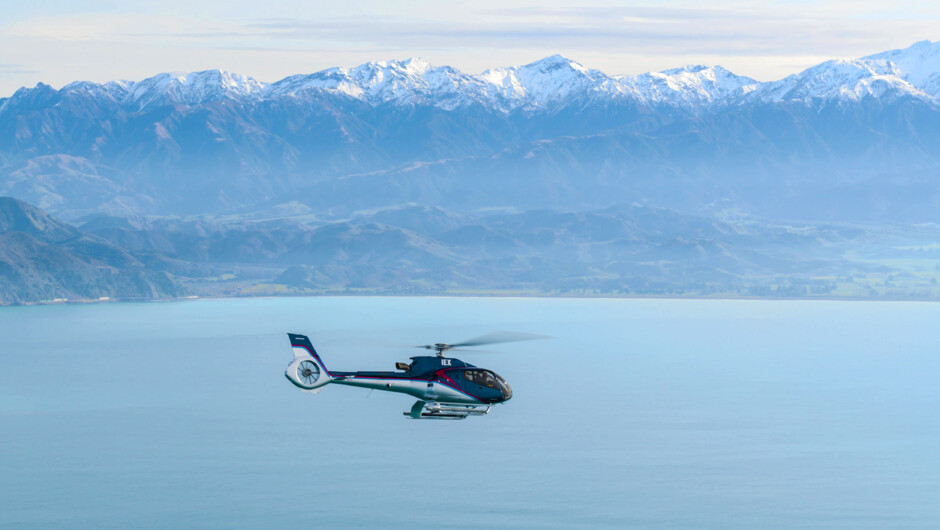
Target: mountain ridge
(550,134)
(553,79)
(43,259)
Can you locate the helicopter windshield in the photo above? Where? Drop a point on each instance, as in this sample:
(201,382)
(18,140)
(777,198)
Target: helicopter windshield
(489,380)
(504,387)
(482,377)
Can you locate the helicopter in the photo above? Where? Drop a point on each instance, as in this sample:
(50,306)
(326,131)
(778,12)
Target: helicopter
(447,388)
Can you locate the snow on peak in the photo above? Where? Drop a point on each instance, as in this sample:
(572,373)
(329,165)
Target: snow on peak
(115,90)
(403,82)
(192,88)
(694,86)
(546,81)
(377,74)
(844,79)
(687,69)
(414,80)
(554,63)
(918,64)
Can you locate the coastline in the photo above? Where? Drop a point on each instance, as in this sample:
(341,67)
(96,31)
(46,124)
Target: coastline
(487,294)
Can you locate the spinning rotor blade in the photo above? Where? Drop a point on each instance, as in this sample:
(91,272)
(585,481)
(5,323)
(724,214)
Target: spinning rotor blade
(499,337)
(491,338)
(474,350)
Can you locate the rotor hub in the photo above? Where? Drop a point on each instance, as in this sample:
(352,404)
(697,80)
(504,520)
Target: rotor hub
(440,348)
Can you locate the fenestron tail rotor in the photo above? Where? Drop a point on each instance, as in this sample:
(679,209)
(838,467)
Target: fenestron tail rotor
(497,337)
(308,372)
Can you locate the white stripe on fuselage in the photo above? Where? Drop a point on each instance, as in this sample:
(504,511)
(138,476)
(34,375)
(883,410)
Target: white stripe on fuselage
(418,388)
(413,387)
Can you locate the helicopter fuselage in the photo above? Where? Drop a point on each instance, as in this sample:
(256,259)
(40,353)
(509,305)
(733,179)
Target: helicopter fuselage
(441,379)
(446,388)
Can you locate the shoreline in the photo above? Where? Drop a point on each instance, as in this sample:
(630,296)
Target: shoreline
(505,294)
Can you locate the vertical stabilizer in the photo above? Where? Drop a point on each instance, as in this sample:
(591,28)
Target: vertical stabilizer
(307,370)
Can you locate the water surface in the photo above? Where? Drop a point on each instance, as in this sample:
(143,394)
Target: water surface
(639,413)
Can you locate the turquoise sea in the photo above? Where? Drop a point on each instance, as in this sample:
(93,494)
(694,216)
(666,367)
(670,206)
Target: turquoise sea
(637,414)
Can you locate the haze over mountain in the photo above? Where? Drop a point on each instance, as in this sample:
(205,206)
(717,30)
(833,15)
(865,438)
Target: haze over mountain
(551,134)
(405,177)
(42,258)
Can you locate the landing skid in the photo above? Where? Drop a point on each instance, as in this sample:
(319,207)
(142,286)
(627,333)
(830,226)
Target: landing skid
(433,410)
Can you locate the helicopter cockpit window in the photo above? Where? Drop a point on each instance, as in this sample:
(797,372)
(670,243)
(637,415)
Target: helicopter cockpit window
(481,377)
(507,391)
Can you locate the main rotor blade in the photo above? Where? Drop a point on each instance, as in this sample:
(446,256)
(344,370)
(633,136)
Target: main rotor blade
(500,337)
(472,350)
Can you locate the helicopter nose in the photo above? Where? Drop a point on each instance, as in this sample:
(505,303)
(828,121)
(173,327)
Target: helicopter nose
(505,390)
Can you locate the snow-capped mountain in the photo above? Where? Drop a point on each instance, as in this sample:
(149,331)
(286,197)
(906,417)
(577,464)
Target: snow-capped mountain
(415,81)
(690,86)
(551,133)
(919,65)
(193,88)
(552,80)
(409,82)
(909,72)
(549,83)
(842,79)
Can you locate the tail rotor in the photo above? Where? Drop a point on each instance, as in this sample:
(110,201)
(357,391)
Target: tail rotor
(307,370)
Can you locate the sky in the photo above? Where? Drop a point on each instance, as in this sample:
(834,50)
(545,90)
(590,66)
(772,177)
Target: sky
(60,41)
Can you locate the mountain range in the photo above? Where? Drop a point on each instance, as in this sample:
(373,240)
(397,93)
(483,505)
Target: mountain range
(551,134)
(401,176)
(549,83)
(416,249)
(44,259)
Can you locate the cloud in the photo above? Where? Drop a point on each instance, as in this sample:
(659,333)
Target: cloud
(763,41)
(654,30)
(7,70)
(777,31)
(657,31)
